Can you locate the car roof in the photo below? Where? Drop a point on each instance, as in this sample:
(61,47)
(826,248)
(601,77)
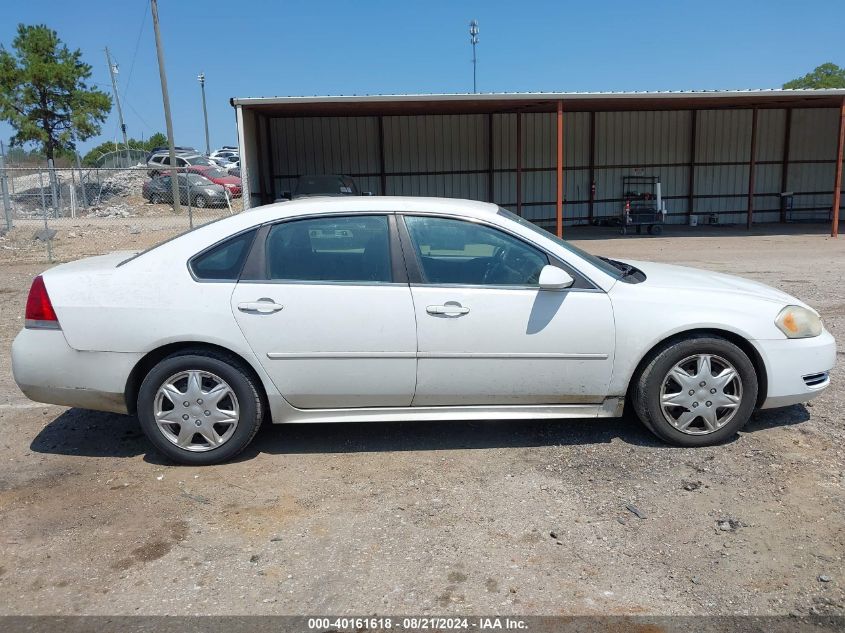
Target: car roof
(356,204)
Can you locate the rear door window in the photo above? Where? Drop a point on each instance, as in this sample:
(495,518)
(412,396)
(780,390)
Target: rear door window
(330,249)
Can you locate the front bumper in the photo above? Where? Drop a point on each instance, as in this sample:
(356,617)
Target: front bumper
(48,370)
(789,361)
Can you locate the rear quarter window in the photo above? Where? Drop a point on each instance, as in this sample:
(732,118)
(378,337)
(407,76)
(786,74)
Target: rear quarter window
(224,261)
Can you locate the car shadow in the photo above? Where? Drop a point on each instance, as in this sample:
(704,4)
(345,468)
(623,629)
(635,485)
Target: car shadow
(79,432)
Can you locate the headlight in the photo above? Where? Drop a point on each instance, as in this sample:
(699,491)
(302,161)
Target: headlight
(213,192)
(798,322)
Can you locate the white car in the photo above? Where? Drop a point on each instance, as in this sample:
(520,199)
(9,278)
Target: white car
(389,308)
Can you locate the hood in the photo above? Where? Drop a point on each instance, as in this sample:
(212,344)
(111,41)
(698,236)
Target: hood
(228,180)
(684,278)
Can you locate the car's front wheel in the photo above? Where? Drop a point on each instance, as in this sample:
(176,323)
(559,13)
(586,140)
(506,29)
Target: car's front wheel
(199,407)
(200,202)
(696,391)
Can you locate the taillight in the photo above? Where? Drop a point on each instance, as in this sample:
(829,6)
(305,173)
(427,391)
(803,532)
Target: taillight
(39,308)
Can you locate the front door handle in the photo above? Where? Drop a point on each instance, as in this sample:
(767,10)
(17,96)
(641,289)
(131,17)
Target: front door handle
(264,305)
(450,308)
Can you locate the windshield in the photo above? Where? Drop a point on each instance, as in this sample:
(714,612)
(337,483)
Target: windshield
(198,160)
(325,185)
(198,181)
(599,263)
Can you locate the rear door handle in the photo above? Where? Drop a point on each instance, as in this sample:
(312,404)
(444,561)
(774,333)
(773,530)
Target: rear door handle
(262,306)
(448,309)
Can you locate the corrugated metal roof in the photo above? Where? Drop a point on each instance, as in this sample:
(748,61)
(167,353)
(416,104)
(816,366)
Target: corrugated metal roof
(552,96)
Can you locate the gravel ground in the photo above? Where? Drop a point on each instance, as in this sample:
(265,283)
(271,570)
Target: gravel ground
(568,517)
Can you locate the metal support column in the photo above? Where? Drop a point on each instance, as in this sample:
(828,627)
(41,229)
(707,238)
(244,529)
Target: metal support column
(837,182)
(382,174)
(519,164)
(592,176)
(559,203)
(752,168)
(490,157)
(784,167)
(693,130)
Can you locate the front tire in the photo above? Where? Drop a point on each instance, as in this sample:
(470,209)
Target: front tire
(199,407)
(200,202)
(697,391)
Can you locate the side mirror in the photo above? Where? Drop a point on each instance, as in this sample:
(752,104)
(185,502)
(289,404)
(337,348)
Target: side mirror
(554,278)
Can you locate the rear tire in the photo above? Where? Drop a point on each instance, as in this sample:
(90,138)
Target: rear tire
(686,400)
(207,421)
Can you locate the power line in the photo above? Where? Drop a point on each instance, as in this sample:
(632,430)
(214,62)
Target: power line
(135,54)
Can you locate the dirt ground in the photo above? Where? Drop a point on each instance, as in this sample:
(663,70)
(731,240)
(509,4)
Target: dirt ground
(436,518)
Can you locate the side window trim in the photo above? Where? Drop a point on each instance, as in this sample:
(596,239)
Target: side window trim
(255,268)
(416,276)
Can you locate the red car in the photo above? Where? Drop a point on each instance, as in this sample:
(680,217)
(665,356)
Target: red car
(219,177)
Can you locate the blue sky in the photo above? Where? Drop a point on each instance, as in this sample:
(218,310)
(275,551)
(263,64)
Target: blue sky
(266,47)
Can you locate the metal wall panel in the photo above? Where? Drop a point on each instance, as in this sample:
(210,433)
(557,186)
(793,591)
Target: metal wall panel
(325,145)
(770,134)
(723,136)
(435,143)
(814,134)
(642,138)
(448,155)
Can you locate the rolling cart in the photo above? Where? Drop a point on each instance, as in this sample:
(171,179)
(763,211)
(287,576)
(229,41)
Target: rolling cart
(643,205)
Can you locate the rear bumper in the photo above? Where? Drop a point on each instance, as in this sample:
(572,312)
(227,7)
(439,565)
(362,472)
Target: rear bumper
(789,361)
(48,370)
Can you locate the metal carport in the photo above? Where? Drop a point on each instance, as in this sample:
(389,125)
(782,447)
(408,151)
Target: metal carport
(558,158)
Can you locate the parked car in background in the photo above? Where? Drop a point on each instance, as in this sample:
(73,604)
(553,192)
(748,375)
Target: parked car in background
(235,171)
(225,161)
(323,185)
(160,163)
(219,177)
(193,188)
(164,148)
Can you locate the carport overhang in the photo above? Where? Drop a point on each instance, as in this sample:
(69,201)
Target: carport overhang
(548,102)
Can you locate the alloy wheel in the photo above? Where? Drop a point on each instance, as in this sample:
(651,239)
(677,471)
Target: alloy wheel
(700,394)
(196,410)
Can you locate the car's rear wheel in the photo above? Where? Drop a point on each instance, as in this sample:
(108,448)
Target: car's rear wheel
(696,391)
(199,407)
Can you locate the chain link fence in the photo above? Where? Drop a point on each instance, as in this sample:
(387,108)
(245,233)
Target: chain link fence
(60,214)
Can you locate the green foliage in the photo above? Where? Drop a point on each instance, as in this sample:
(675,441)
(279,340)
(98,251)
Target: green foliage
(825,76)
(44,94)
(156,140)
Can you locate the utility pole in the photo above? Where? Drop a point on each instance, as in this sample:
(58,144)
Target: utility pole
(112,73)
(473,39)
(174,179)
(201,78)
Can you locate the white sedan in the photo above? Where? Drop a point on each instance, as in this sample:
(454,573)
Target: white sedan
(389,308)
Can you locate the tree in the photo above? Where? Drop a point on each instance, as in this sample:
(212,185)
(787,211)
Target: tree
(156,140)
(44,94)
(825,76)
